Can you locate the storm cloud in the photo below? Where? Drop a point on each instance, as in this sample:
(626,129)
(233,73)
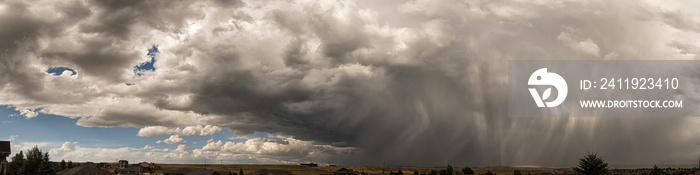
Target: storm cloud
(362,82)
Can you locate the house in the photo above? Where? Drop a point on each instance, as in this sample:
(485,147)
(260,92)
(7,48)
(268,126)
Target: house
(104,165)
(309,164)
(270,172)
(130,171)
(84,170)
(4,152)
(145,165)
(148,167)
(344,171)
(181,171)
(123,163)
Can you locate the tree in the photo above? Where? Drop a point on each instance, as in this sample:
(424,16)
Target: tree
(240,171)
(592,165)
(467,170)
(400,172)
(489,173)
(63,164)
(449,170)
(655,171)
(16,164)
(517,172)
(45,167)
(70,164)
(433,172)
(415,172)
(34,159)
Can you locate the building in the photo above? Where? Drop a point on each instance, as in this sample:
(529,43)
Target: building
(344,171)
(4,152)
(270,172)
(104,165)
(309,164)
(123,163)
(84,170)
(148,167)
(130,171)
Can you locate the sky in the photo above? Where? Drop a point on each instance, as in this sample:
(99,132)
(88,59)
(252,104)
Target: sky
(404,83)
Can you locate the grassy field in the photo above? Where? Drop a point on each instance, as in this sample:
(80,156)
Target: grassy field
(304,170)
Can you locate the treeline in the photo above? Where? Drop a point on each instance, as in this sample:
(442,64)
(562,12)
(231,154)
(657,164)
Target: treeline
(34,163)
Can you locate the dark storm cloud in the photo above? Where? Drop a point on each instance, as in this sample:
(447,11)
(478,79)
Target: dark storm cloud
(116,18)
(411,83)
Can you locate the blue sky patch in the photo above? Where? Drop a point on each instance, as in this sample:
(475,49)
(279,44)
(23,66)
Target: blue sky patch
(148,65)
(57,71)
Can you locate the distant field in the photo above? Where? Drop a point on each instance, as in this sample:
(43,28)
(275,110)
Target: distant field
(304,170)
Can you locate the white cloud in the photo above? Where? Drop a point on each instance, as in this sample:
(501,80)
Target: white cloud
(185,131)
(212,146)
(24,146)
(154,131)
(12,137)
(174,139)
(276,149)
(198,129)
(182,151)
(29,113)
(71,151)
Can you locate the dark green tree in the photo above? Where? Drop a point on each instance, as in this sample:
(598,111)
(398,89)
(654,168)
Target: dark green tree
(592,165)
(467,170)
(400,172)
(34,159)
(517,172)
(449,170)
(655,171)
(23,167)
(240,171)
(415,172)
(489,173)
(45,166)
(63,164)
(433,172)
(70,164)
(17,163)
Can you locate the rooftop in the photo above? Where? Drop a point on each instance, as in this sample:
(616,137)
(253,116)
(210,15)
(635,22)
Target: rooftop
(5,148)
